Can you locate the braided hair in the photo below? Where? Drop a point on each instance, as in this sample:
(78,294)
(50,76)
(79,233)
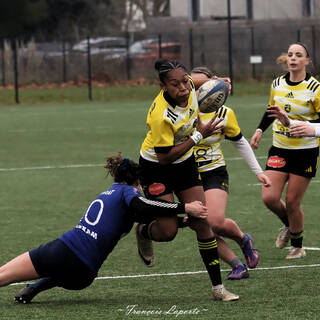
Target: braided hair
(164,66)
(122,169)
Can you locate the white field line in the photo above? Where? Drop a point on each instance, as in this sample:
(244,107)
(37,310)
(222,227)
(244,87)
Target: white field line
(81,166)
(53,167)
(151,275)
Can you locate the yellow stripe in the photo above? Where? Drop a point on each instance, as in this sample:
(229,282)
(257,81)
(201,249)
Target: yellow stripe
(207,245)
(296,236)
(214,262)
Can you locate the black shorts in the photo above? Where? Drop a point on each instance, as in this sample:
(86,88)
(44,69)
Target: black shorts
(302,162)
(158,180)
(215,179)
(55,260)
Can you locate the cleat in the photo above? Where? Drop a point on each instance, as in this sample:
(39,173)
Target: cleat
(220,293)
(296,253)
(283,237)
(145,248)
(250,252)
(238,272)
(25,295)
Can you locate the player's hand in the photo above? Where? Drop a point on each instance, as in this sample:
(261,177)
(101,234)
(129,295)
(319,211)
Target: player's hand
(256,139)
(196,209)
(208,129)
(279,113)
(265,180)
(303,129)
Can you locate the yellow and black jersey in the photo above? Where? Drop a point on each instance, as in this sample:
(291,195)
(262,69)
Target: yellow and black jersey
(208,152)
(169,125)
(301,101)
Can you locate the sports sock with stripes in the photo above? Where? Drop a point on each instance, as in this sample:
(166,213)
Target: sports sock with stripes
(209,253)
(296,239)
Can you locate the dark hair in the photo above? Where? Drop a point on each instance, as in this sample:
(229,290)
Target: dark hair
(122,169)
(165,66)
(203,70)
(303,46)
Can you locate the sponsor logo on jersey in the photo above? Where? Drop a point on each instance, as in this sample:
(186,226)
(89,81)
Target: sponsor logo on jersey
(276,162)
(156,188)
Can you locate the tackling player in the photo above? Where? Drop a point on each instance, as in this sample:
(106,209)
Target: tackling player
(72,261)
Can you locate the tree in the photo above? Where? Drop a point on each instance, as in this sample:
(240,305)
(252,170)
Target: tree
(19,18)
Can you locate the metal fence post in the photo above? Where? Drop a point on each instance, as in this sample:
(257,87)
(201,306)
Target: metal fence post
(160,46)
(202,56)
(252,53)
(191,48)
(15,69)
(128,57)
(89,69)
(64,61)
(3,64)
(313,37)
(230,45)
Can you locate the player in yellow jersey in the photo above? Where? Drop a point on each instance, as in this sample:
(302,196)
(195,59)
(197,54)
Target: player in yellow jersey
(215,179)
(292,160)
(168,167)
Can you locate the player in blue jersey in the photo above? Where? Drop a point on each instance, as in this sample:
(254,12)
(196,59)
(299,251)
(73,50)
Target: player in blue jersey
(72,261)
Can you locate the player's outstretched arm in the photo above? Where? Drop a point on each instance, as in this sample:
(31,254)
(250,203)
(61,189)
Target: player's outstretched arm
(143,207)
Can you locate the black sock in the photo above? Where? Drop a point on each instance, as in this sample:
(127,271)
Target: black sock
(43,284)
(285,220)
(209,253)
(296,239)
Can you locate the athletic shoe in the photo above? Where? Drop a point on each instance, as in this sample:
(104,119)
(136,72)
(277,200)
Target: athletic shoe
(283,237)
(221,293)
(296,253)
(238,272)
(250,252)
(25,295)
(145,248)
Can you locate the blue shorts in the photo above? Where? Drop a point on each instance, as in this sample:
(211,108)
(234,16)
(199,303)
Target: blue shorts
(55,260)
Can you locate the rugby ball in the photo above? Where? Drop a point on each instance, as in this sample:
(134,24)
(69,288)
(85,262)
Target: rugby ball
(212,95)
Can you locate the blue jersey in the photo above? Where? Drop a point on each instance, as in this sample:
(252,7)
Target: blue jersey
(103,224)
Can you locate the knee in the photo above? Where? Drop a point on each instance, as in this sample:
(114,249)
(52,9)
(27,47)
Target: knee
(217,224)
(165,231)
(270,200)
(292,203)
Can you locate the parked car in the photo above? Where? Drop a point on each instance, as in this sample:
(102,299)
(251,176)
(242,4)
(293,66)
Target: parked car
(148,50)
(110,47)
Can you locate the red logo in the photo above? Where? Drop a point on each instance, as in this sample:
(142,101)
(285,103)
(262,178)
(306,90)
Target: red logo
(276,162)
(156,188)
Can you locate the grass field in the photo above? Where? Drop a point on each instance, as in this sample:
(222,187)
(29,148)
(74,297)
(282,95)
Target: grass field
(51,159)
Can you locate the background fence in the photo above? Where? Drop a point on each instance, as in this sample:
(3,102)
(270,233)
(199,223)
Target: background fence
(112,59)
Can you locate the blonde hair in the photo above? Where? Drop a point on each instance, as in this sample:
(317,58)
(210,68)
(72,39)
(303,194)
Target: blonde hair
(283,60)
